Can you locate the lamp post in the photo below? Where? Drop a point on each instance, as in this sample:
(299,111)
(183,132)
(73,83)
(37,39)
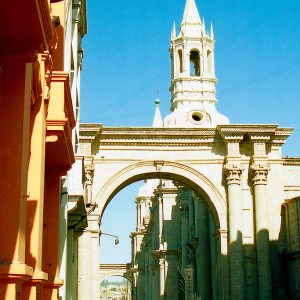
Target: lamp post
(116,237)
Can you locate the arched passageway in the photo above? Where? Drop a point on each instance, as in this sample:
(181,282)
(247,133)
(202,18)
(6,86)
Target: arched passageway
(170,170)
(113,283)
(206,198)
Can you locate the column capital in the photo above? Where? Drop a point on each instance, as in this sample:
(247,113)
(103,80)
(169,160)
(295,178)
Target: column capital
(233,172)
(260,173)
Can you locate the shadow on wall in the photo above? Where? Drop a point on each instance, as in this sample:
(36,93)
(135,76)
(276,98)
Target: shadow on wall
(186,275)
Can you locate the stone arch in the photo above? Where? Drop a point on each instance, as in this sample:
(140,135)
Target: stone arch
(166,170)
(118,270)
(114,274)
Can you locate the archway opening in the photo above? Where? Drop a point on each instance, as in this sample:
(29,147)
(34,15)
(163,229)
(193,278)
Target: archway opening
(179,218)
(181,174)
(117,223)
(115,287)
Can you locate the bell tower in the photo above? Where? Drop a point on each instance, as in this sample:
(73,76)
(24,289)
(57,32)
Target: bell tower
(193,82)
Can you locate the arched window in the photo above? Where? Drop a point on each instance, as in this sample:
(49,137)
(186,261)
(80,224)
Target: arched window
(194,63)
(180,67)
(209,62)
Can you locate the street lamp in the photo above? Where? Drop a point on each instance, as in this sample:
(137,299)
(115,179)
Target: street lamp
(116,237)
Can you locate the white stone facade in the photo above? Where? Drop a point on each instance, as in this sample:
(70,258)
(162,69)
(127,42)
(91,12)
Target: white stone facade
(214,220)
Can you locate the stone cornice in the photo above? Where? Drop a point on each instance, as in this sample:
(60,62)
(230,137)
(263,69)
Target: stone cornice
(58,76)
(291,161)
(264,129)
(137,137)
(88,132)
(149,138)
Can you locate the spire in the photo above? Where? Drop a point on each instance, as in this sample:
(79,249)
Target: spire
(191,23)
(157,120)
(212,35)
(191,14)
(204,29)
(173,34)
(193,81)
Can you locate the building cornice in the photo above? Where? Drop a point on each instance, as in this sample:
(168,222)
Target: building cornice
(181,138)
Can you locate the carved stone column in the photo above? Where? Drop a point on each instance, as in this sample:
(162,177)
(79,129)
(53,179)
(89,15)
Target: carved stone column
(184,220)
(84,266)
(189,284)
(94,221)
(146,284)
(171,285)
(162,279)
(260,173)
(203,249)
(236,252)
(140,285)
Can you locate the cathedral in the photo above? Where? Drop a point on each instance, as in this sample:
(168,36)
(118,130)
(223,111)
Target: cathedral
(218,217)
(176,251)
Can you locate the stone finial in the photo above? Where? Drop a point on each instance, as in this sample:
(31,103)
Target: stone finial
(212,35)
(233,173)
(260,174)
(157,119)
(173,34)
(191,14)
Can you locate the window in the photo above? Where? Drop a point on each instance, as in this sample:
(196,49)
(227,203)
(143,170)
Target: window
(180,69)
(194,63)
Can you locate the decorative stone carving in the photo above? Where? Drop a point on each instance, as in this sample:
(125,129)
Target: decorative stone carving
(260,173)
(89,174)
(233,173)
(161,264)
(189,271)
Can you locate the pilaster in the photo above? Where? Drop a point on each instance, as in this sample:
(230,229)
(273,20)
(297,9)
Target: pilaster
(50,262)
(259,170)
(184,216)
(88,259)
(85,265)
(202,249)
(15,117)
(233,171)
(36,183)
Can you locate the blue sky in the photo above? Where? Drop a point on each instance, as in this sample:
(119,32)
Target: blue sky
(126,61)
